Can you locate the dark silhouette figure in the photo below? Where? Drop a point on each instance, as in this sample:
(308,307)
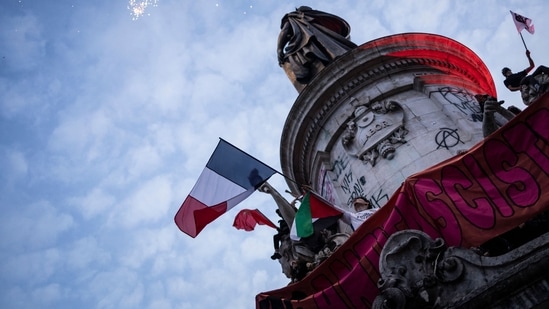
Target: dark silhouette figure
(309,40)
(514,81)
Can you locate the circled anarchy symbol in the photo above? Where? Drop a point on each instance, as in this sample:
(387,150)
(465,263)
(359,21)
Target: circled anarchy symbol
(447,138)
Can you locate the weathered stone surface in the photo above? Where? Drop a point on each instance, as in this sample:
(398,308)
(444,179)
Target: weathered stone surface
(419,272)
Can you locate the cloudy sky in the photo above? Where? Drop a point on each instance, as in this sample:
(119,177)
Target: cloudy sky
(109,111)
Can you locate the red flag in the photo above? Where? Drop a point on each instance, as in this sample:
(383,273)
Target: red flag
(247,219)
(522,22)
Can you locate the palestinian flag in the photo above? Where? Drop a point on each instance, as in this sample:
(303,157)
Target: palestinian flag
(313,215)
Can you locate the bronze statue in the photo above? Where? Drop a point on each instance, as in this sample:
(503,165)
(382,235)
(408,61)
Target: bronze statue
(309,40)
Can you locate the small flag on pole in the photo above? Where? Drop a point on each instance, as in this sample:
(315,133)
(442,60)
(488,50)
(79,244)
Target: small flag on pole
(247,219)
(230,176)
(522,22)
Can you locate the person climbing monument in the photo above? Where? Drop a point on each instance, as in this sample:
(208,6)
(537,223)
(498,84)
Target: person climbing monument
(514,81)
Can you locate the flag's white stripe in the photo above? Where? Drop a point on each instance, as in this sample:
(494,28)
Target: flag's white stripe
(212,189)
(293,230)
(237,199)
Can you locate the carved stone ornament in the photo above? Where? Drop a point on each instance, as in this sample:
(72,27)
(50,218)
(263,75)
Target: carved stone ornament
(412,265)
(419,272)
(375,131)
(529,92)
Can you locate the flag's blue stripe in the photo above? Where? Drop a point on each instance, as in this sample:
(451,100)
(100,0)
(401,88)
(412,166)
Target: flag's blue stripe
(238,166)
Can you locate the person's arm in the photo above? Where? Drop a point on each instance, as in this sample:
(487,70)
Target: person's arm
(513,88)
(531,63)
(347,218)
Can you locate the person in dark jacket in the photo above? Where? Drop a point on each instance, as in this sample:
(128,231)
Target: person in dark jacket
(514,81)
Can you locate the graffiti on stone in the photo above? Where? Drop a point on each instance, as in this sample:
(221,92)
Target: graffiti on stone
(347,183)
(447,138)
(350,184)
(353,187)
(339,165)
(379,199)
(463,101)
(326,186)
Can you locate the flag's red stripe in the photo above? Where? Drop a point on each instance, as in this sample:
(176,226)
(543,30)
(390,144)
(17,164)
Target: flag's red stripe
(319,209)
(193,215)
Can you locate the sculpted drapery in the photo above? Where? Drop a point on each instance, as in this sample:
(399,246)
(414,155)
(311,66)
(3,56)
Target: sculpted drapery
(310,39)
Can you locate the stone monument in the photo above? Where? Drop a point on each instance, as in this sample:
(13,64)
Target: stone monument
(409,121)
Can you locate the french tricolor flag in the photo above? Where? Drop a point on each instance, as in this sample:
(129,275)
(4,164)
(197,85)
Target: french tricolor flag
(230,176)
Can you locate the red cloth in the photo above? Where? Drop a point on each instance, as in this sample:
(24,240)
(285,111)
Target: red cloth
(247,219)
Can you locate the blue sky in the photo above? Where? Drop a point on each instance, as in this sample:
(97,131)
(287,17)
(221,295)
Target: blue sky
(107,119)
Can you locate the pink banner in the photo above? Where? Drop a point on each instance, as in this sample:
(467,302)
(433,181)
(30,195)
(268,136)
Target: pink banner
(466,200)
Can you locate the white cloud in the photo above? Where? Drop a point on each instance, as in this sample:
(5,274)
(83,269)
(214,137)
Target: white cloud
(30,269)
(146,204)
(86,254)
(32,227)
(119,288)
(94,203)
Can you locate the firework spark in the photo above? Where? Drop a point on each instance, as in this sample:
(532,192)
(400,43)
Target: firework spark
(137,8)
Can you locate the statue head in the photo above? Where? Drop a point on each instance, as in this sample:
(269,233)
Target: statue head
(304,8)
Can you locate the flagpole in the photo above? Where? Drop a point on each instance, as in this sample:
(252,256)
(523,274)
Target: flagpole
(523,40)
